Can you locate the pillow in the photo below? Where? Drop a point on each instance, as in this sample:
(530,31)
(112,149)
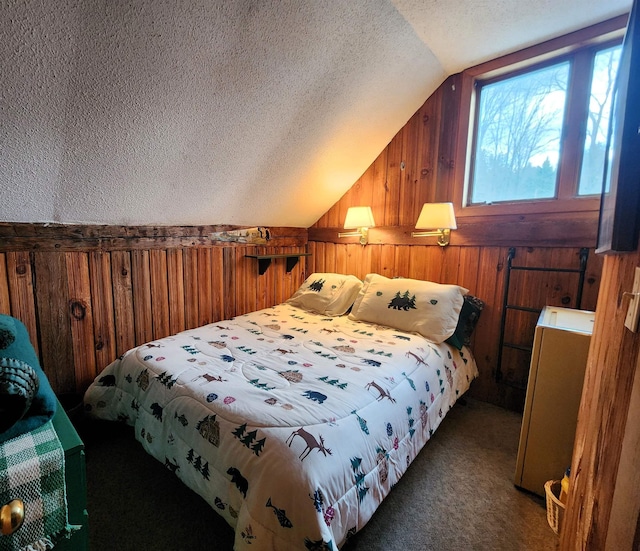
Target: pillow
(327,293)
(411,305)
(469,315)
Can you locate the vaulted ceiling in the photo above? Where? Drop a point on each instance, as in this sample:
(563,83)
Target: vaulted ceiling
(217,112)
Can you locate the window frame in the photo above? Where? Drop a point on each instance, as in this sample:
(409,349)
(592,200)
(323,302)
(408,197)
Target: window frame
(577,47)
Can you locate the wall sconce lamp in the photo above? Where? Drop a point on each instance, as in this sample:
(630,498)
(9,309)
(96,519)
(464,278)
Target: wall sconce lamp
(436,215)
(361,218)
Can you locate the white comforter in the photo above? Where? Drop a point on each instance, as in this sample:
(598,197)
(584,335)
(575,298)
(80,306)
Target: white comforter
(292,425)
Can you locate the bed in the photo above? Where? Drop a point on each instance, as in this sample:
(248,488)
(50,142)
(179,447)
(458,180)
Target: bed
(294,422)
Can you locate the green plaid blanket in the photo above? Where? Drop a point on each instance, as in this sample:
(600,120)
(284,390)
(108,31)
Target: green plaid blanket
(32,469)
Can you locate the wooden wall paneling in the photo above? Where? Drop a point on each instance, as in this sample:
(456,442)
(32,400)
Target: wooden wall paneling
(378,186)
(102,308)
(204,289)
(54,325)
(240,270)
(21,292)
(230,282)
(426,192)
(159,293)
(217,283)
(450,265)
(402,260)
(490,287)
(515,369)
(310,262)
(124,318)
(82,237)
(329,257)
(176,289)
(358,261)
(410,170)
(341,257)
(251,281)
(141,280)
(366,262)
(375,263)
(592,281)
(528,289)
(394,180)
(265,284)
(417,262)
(291,281)
(5,302)
(191,288)
(387,263)
(625,508)
(321,258)
(447,140)
(564,286)
(281,283)
(288,282)
(366,188)
(602,417)
(246,276)
(81,316)
(468,268)
(436,256)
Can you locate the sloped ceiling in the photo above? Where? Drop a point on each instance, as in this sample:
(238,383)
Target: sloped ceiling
(218,112)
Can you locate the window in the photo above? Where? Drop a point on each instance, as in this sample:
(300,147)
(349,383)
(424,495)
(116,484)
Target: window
(540,132)
(605,67)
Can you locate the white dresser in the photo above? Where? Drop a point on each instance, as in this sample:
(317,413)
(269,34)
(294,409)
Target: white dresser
(554,390)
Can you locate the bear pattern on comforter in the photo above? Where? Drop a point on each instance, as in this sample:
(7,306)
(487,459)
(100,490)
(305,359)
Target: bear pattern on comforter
(294,426)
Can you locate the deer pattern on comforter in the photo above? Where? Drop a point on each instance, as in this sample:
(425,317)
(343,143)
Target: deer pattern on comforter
(293,426)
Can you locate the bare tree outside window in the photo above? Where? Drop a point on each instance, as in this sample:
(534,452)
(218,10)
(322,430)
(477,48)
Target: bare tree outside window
(519,130)
(518,136)
(605,68)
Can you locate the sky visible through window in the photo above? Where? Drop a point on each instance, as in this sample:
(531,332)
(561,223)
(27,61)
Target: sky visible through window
(519,130)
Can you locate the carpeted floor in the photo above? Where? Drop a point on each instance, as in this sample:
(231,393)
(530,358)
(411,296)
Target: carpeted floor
(458,494)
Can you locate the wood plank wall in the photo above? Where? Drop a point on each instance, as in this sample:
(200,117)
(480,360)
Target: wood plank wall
(482,271)
(89,293)
(604,498)
(420,165)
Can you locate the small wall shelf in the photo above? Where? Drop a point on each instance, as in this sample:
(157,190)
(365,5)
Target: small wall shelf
(264,260)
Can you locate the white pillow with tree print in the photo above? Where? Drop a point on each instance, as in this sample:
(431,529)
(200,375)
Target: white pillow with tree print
(327,293)
(412,305)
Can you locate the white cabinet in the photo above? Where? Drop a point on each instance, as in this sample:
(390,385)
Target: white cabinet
(558,362)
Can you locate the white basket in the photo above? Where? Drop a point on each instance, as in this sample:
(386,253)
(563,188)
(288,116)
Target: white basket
(555,508)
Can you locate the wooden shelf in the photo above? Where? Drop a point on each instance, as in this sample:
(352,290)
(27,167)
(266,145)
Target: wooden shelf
(264,260)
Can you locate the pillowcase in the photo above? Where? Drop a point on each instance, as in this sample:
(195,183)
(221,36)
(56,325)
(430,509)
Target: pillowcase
(327,293)
(411,305)
(469,315)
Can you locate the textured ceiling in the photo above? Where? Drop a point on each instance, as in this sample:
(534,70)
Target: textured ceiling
(216,112)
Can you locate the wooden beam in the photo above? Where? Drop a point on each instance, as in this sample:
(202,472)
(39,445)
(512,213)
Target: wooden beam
(61,237)
(553,230)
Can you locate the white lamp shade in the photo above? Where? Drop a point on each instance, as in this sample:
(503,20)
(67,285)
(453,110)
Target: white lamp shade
(359,217)
(436,216)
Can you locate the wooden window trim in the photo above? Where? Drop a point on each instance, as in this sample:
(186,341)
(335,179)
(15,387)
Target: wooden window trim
(610,31)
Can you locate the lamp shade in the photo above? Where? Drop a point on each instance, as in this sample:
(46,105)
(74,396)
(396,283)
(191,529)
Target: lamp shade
(359,217)
(437,216)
